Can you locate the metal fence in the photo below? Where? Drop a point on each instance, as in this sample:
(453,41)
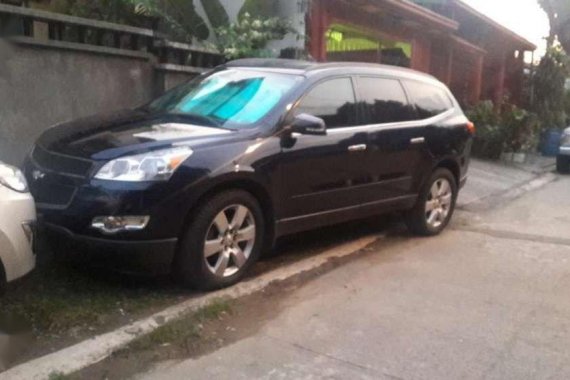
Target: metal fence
(23,24)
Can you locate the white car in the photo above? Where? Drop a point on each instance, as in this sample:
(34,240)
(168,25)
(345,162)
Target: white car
(17,218)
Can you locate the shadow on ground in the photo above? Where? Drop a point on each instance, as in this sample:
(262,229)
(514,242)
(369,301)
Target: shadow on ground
(61,304)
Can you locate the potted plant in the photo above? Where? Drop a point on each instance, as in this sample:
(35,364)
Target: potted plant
(488,142)
(521,128)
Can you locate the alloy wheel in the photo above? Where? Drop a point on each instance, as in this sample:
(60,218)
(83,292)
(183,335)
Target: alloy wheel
(229,241)
(438,204)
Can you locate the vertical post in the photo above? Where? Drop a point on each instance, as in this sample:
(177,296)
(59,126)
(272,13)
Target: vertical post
(449,67)
(477,79)
(500,81)
(421,54)
(532,89)
(318,24)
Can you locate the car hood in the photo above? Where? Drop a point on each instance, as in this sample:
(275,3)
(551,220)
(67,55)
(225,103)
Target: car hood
(130,132)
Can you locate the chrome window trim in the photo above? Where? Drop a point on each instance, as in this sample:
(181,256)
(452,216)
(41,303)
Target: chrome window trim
(394,125)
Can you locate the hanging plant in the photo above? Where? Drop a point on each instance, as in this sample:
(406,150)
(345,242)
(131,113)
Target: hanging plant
(179,17)
(249,36)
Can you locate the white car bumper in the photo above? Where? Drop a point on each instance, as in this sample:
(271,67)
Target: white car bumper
(17,212)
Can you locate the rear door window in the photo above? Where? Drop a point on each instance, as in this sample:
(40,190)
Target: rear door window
(383,100)
(428,99)
(333,101)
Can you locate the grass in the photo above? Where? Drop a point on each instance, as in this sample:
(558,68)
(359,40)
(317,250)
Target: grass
(182,330)
(57,376)
(57,298)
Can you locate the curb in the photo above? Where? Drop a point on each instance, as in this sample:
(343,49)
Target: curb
(492,201)
(96,349)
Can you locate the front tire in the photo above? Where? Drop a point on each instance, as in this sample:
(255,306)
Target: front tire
(563,164)
(223,241)
(435,205)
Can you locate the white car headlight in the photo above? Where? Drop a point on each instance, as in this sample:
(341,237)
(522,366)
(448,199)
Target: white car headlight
(152,166)
(12,178)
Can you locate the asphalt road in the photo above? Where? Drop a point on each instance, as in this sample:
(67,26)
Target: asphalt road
(488,299)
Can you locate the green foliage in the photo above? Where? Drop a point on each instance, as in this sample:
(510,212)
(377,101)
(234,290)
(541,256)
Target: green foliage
(506,128)
(216,13)
(558,12)
(490,136)
(105,10)
(549,89)
(249,36)
(258,8)
(521,129)
(179,17)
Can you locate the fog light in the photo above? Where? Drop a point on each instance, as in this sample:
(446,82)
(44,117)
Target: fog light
(114,224)
(28,228)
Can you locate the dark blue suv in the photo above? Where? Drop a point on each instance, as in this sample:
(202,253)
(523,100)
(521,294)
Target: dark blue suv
(202,180)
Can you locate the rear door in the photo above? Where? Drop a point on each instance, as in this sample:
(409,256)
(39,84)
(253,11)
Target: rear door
(397,153)
(321,174)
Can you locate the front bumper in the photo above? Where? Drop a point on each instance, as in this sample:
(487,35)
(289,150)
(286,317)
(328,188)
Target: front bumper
(16,255)
(125,256)
(564,150)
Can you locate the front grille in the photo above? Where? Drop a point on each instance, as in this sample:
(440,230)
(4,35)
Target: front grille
(54,178)
(59,163)
(53,194)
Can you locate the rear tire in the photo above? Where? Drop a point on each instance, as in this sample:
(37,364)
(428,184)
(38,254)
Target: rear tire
(435,205)
(3,279)
(563,164)
(222,242)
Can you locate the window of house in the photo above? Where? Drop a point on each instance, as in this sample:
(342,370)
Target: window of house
(384,101)
(428,99)
(333,101)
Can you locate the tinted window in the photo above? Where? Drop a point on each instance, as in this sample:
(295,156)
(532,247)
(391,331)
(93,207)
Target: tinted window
(333,101)
(429,100)
(384,101)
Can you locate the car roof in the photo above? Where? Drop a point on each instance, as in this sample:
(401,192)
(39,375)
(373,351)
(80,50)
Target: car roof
(309,68)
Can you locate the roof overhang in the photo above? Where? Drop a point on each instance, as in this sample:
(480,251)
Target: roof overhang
(523,42)
(409,10)
(465,45)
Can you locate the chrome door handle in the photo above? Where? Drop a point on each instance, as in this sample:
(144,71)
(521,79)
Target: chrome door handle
(418,140)
(357,148)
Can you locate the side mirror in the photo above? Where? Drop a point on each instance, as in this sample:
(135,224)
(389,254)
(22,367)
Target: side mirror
(306,124)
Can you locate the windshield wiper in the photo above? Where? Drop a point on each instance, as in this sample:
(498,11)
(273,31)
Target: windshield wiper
(209,120)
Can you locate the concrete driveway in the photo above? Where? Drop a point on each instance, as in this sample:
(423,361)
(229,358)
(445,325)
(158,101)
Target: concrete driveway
(488,299)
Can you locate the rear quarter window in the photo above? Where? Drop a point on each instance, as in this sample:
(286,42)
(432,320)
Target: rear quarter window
(429,100)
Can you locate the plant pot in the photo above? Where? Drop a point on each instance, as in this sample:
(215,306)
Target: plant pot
(550,142)
(519,158)
(507,156)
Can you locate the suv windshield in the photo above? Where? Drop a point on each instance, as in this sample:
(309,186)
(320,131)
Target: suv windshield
(232,99)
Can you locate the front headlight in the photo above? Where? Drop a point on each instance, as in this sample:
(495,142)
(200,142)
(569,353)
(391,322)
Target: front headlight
(152,166)
(12,178)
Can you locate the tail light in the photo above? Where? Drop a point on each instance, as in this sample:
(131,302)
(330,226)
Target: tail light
(471,128)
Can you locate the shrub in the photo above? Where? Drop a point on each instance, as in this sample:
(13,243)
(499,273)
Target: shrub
(490,137)
(549,89)
(506,128)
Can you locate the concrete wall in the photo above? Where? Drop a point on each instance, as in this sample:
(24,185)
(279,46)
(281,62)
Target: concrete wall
(42,84)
